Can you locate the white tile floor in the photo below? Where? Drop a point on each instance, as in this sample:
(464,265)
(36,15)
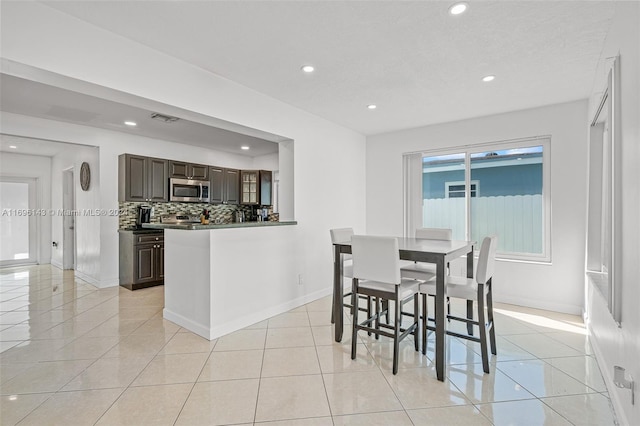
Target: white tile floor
(76,355)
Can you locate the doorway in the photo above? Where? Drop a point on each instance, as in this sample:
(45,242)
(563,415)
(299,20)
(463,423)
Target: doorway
(68,220)
(18,224)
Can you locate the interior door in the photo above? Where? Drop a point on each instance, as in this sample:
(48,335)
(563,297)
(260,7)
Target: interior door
(18,226)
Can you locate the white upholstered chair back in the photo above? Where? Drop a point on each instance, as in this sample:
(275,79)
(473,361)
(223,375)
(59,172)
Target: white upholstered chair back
(434,233)
(376,258)
(486,259)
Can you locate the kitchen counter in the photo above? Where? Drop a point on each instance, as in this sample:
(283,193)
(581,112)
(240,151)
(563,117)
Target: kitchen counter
(197,226)
(137,231)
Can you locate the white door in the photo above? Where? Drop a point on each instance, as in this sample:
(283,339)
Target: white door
(68,221)
(18,239)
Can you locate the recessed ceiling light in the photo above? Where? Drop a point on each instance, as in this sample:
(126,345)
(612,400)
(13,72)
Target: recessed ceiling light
(131,123)
(13,147)
(244,147)
(458,8)
(372,106)
(308,68)
(488,78)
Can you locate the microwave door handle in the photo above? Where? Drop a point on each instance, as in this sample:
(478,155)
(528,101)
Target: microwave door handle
(200,192)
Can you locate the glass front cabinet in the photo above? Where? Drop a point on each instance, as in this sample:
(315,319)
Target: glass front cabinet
(256,187)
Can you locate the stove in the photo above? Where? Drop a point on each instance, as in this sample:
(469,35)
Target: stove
(178,219)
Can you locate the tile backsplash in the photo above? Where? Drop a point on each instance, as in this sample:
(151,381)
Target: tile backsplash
(221,213)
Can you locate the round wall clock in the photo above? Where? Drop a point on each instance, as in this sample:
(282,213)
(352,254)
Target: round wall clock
(85,176)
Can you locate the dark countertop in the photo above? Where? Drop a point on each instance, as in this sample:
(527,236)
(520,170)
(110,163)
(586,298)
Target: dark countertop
(197,226)
(140,230)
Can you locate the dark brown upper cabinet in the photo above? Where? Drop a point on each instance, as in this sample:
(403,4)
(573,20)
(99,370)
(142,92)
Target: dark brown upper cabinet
(224,185)
(142,178)
(179,169)
(256,187)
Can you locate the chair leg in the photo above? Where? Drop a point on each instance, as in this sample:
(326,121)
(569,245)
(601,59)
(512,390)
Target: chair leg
(396,336)
(492,330)
(470,316)
(377,320)
(416,321)
(333,305)
(425,316)
(385,308)
(483,329)
(369,311)
(354,334)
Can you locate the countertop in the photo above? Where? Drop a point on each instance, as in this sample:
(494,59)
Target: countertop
(197,226)
(139,230)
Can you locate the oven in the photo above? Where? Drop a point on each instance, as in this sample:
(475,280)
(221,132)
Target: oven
(187,190)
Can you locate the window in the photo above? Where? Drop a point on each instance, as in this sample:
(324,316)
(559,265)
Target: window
(513,203)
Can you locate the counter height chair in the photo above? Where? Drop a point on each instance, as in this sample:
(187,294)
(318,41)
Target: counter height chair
(376,273)
(478,289)
(338,235)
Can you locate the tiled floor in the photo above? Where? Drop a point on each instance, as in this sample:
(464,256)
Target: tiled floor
(76,355)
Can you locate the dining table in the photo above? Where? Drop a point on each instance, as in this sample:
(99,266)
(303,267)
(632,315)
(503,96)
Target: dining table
(438,252)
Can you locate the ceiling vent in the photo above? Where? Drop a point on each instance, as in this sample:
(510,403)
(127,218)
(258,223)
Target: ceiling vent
(164,118)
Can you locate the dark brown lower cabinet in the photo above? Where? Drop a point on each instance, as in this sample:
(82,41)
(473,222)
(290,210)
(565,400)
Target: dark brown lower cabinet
(141,259)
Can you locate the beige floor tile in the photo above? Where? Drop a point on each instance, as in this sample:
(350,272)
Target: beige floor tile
(320,305)
(138,346)
(232,365)
(541,379)
(187,343)
(302,308)
(324,335)
(337,359)
(156,326)
(319,318)
(396,418)
(289,337)
(577,341)
(9,371)
(542,346)
(290,362)
(419,388)
(479,387)
(32,351)
(115,327)
(587,410)
(241,340)
(14,408)
(108,373)
(44,377)
(17,332)
(528,412)
(6,345)
(221,403)
(173,368)
(157,405)
(457,351)
(313,421)
(289,319)
(258,325)
(582,368)
(382,353)
(86,348)
(461,415)
(359,392)
(294,397)
(66,408)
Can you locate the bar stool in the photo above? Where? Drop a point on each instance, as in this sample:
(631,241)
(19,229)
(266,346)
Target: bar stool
(376,273)
(478,289)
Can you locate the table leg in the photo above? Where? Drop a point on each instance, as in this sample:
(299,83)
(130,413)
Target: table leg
(338,284)
(470,302)
(441,321)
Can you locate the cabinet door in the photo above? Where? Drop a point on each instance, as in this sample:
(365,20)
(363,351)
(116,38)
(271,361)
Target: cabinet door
(266,185)
(135,180)
(249,186)
(145,263)
(216,192)
(158,182)
(178,169)
(160,261)
(232,185)
(198,172)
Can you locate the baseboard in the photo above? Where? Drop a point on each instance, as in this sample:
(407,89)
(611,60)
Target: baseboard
(540,304)
(608,381)
(245,321)
(88,278)
(56,264)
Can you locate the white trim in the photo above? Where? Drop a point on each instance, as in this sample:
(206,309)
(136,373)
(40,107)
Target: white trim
(466,184)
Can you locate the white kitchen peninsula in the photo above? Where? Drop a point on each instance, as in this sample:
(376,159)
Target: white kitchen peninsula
(221,278)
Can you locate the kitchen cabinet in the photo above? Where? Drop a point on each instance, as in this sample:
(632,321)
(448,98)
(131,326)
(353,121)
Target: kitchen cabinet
(224,185)
(142,178)
(256,187)
(178,169)
(141,259)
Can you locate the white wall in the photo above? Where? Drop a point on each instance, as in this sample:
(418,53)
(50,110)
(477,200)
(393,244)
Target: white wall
(38,167)
(557,286)
(329,169)
(613,345)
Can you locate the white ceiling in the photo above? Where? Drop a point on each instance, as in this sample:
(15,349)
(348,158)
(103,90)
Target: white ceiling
(416,62)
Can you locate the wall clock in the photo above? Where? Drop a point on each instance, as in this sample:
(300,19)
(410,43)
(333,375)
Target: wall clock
(85,176)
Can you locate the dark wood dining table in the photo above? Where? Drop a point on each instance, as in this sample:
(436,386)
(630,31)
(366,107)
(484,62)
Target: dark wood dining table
(438,252)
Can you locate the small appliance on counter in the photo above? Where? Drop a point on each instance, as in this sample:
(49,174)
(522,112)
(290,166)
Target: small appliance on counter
(179,219)
(143,215)
(238,216)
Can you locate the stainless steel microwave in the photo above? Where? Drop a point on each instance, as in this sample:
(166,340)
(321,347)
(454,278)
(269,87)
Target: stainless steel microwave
(187,190)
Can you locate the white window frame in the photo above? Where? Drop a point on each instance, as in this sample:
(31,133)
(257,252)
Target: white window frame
(447,186)
(468,150)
